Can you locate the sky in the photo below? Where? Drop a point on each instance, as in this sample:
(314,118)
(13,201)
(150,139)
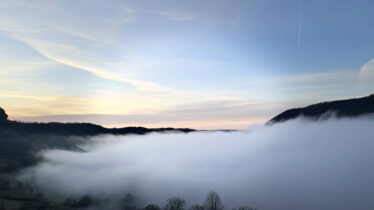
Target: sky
(201,64)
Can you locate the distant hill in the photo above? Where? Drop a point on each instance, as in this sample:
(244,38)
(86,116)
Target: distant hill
(76,129)
(343,108)
(20,141)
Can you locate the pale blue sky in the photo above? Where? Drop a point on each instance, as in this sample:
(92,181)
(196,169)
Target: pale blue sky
(196,63)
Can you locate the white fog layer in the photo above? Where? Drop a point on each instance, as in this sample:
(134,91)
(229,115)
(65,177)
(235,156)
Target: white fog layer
(291,166)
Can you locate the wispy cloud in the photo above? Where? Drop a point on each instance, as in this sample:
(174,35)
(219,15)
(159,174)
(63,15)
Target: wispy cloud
(55,30)
(95,70)
(47,105)
(177,16)
(29,97)
(366,73)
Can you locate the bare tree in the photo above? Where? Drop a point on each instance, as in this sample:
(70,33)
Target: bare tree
(3,116)
(197,207)
(244,208)
(175,204)
(213,201)
(128,202)
(85,201)
(151,207)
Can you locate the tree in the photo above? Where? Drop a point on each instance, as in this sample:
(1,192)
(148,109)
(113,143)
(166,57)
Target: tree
(151,207)
(128,202)
(175,203)
(4,185)
(2,206)
(3,117)
(197,207)
(85,201)
(244,208)
(70,202)
(213,201)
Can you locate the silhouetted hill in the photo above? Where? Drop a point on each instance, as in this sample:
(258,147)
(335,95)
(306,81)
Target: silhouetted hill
(76,129)
(343,108)
(81,129)
(20,141)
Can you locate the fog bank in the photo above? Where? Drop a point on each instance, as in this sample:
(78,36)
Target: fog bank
(293,165)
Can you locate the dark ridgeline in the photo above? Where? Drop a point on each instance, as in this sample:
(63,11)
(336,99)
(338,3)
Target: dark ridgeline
(343,108)
(76,129)
(82,129)
(20,141)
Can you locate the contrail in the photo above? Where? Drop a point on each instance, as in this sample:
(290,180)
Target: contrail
(299,26)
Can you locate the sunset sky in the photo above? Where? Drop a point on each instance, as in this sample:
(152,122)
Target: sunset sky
(203,64)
